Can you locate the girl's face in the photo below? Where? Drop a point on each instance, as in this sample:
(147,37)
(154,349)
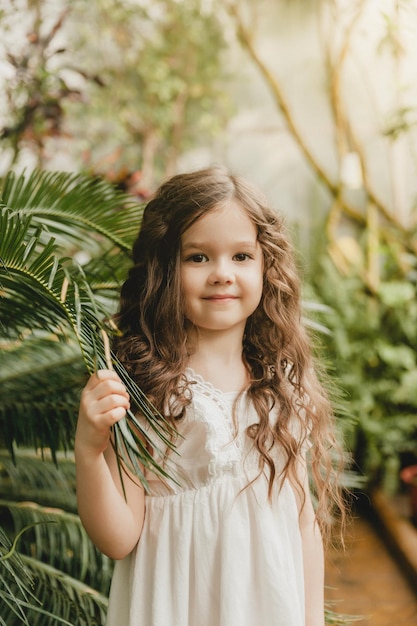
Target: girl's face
(221,270)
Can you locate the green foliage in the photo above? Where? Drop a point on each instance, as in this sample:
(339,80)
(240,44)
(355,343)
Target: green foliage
(71,602)
(21,576)
(70,575)
(15,584)
(372,347)
(128,83)
(44,291)
(164,76)
(82,212)
(43,399)
(52,310)
(37,477)
(58,538)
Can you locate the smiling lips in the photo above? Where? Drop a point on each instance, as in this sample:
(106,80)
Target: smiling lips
(220,297)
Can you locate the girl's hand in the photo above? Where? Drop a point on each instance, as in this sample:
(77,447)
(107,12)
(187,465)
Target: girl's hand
(104,401)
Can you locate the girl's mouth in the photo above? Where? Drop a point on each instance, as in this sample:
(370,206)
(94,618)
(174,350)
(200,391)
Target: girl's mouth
(220,297)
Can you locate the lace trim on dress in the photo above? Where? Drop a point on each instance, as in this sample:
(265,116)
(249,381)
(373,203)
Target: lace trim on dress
(222,443)
(220,398)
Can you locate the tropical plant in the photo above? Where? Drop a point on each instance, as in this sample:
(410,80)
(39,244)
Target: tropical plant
(363,259)
(16,582)
(67,300)
(68,598)
(46,574)
(59,598)
(372,348)
(53,313)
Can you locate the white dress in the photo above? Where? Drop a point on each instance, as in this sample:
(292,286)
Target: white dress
(213,553)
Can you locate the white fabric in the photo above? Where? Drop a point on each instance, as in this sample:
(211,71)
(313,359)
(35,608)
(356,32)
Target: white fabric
(211,552)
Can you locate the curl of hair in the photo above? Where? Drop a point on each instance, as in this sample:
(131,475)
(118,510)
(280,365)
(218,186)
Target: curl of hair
(276,348)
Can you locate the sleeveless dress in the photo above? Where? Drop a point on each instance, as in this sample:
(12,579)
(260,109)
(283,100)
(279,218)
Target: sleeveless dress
(212,552)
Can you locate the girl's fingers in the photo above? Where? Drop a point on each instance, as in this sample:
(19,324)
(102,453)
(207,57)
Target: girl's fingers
(107,419)
(109,388)
(111,402)
(104,401)
(100,376)
(117,414)
(101,410)
(105,373)
(108,384)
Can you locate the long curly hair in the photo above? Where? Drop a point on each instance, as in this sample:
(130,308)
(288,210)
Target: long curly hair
(277,350)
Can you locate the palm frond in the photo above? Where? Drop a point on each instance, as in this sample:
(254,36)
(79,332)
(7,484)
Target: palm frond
(35,477)
(59,598)
(40,290)
(65,596)
(58,538)
(41,380)
(15,584)
(105,274)
(74,207)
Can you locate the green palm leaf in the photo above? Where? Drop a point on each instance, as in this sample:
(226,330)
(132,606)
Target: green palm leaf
(18,600)
(33,280)
(74,601)
(58,538)
(59,599)
(73,207)
(15,584)
(34,477)
(40,380)
(40,290)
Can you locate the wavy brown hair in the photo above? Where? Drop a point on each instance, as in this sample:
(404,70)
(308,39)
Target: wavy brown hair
(276,347)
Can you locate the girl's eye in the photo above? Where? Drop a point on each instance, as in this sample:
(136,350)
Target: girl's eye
(198,258)
(242,256)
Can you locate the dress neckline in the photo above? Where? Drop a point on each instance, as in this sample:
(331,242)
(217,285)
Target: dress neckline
(193,376)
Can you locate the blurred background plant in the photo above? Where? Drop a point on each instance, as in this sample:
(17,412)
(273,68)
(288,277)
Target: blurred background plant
(361,257)
(111,85)
(372,346)
(314,101)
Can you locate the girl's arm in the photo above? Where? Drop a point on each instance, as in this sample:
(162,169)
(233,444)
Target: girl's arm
(113,522)
(313,556)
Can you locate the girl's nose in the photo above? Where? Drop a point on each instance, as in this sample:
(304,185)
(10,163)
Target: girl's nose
(221,274)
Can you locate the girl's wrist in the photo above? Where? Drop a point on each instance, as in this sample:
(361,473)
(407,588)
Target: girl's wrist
(88,455)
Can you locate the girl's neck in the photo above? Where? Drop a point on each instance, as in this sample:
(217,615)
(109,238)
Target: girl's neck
(219,363)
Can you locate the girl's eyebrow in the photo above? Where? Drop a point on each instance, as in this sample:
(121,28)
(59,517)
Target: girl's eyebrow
(196,245)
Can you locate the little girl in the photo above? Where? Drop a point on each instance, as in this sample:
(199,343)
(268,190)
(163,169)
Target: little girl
(211,331)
